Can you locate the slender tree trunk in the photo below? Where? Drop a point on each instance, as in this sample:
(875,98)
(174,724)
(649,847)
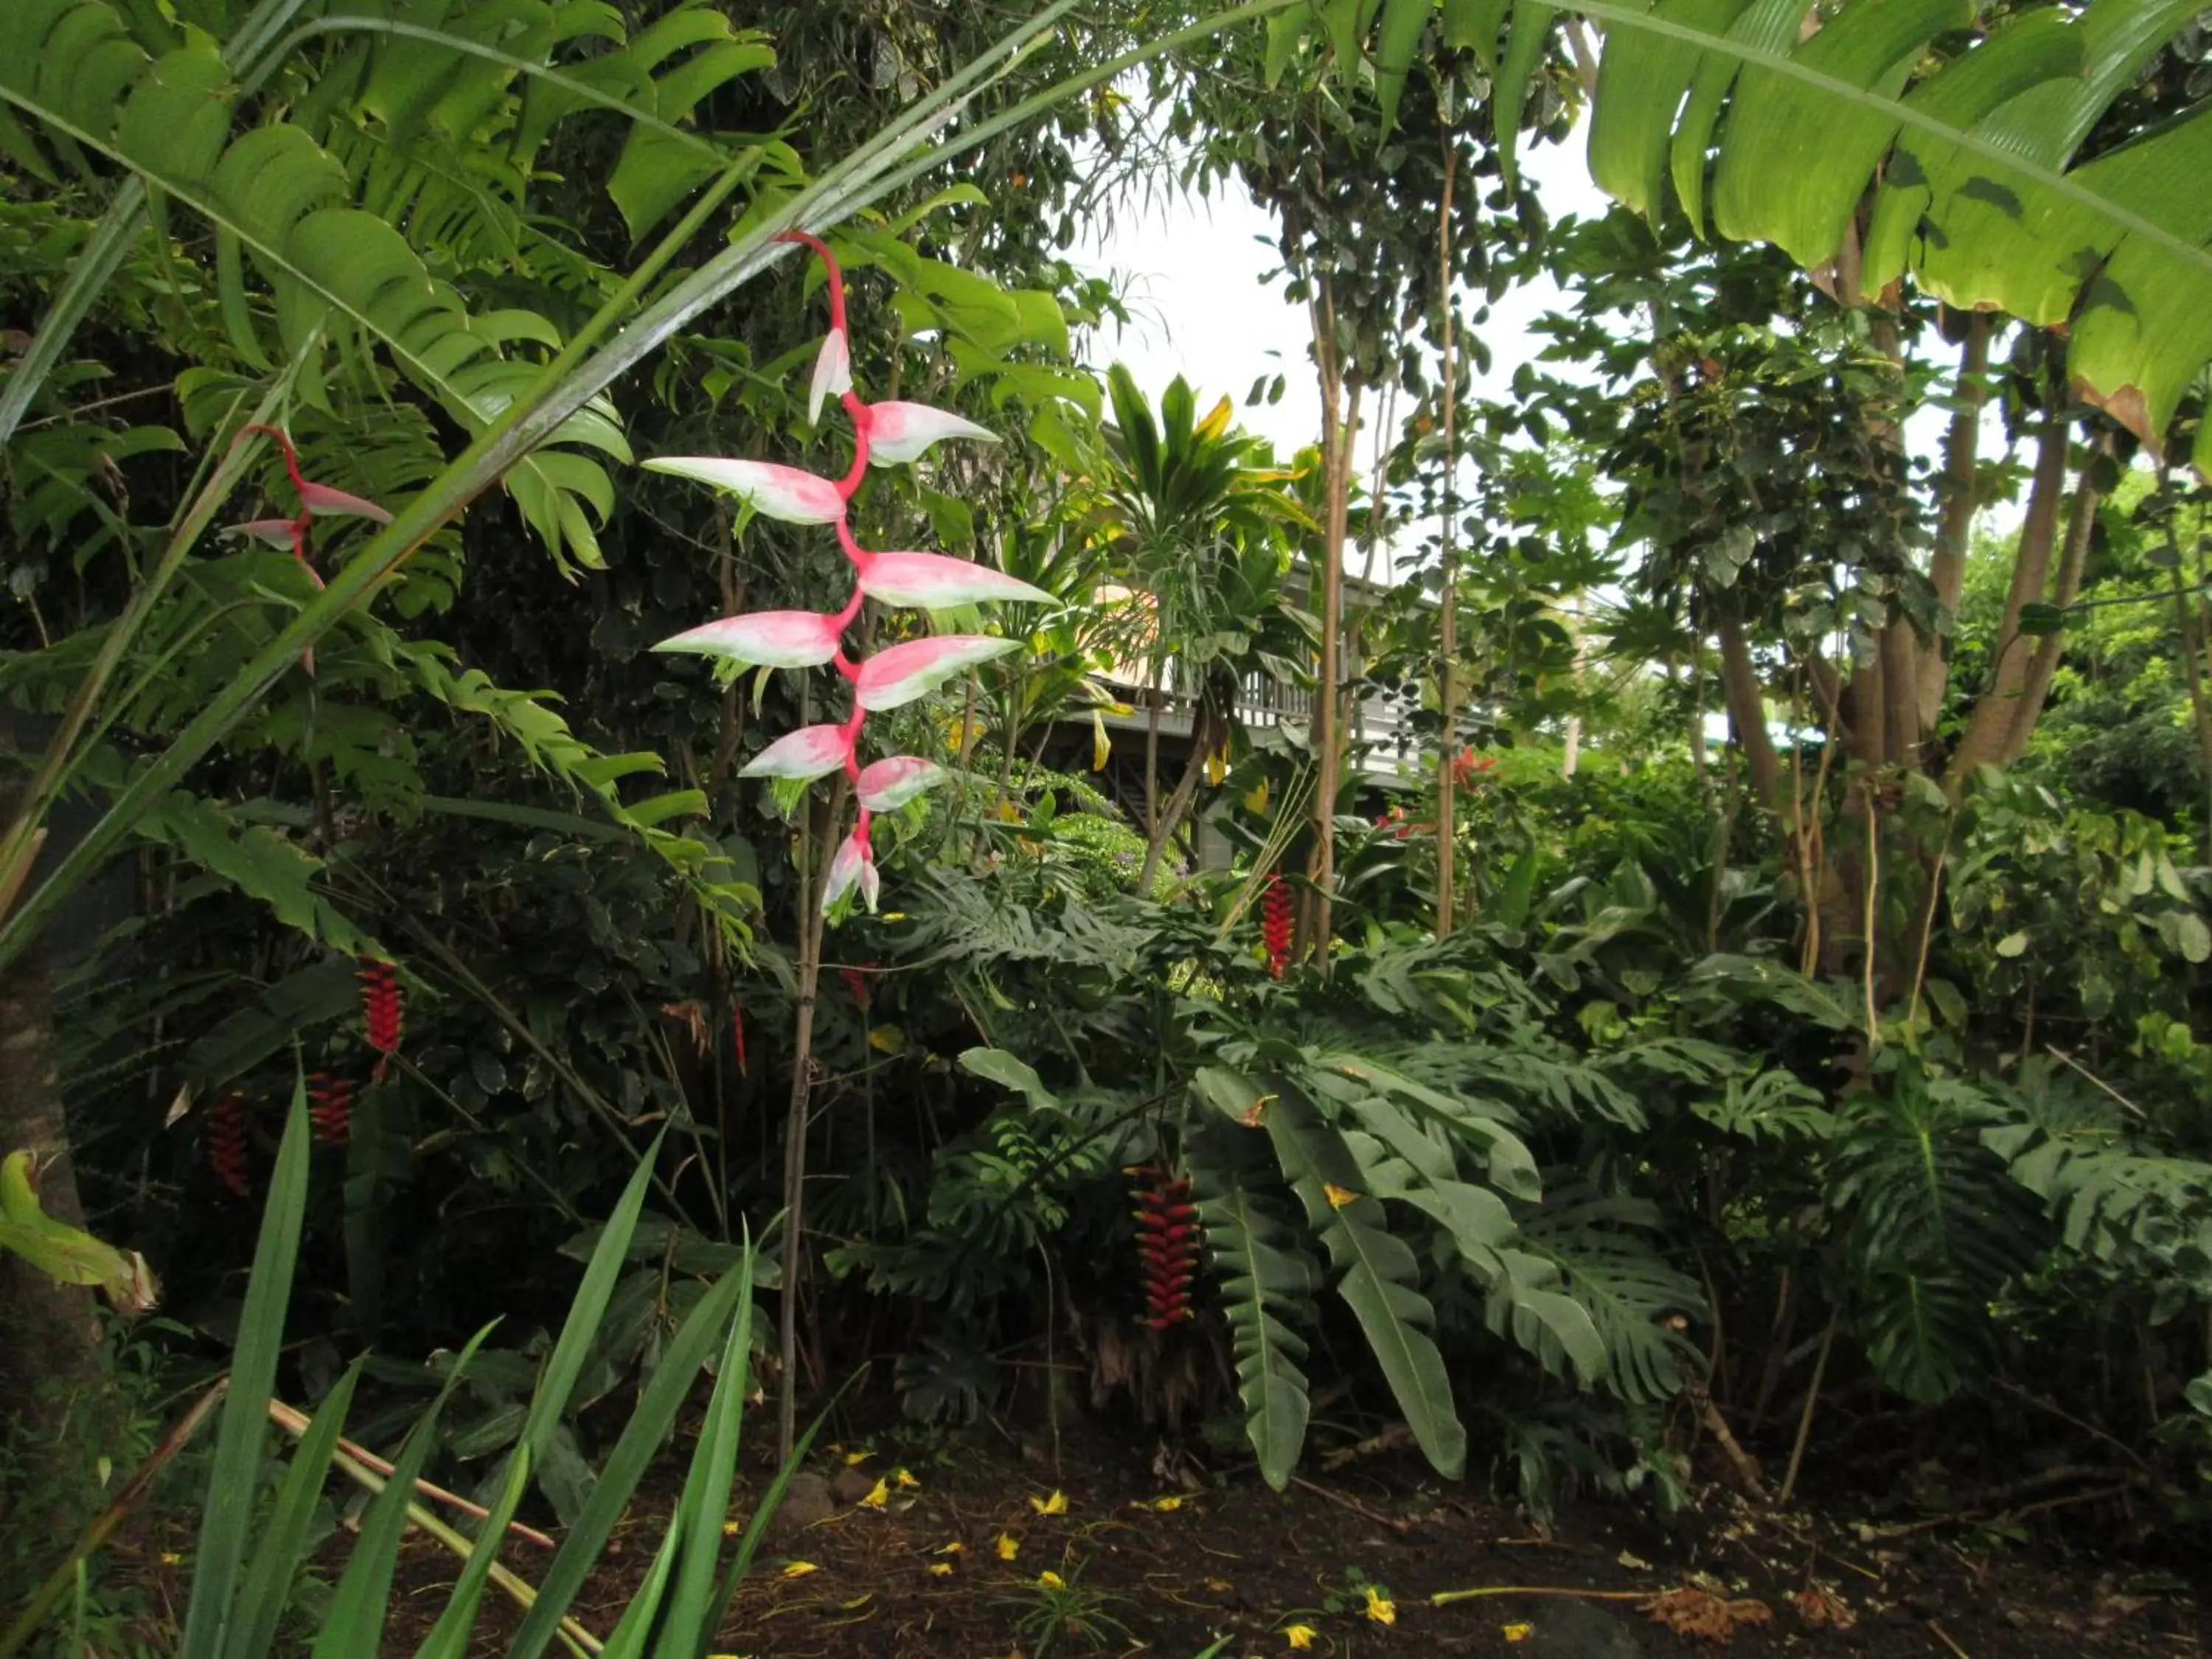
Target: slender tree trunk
(1208,729)
(1990,724)
(1947,569)
(1448,602)
(2043,663)
(1328,721)
(1746,701)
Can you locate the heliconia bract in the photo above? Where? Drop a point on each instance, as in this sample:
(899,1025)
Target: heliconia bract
(899,433)
(774,492)
(226,1141)
(884,435)
(316,500)
(812,751)
(1167,1244)
(763,639)
(931,582)
(886,784)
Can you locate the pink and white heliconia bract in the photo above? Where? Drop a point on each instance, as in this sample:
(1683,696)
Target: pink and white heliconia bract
(899,675)
(788,493)
(325,502)
(763,639)
(833,374)
(277,532)
(886,784)
(854,865)
(811,752)
(898,433)
(931,582)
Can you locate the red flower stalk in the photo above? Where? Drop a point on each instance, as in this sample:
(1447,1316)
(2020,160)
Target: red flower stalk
(329,1108)
(889,433)
(226,1141)
(383,1005)
(1277,923)
(1167,1243)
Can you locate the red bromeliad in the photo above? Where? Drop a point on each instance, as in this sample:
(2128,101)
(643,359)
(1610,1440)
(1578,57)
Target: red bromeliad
(226,1141)
(885,434)
(1277,923)
(330,1107)
(383,1009)
(1167,1242)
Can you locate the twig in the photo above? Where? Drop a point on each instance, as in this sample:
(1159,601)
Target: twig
(2125,1103)
(293,1421)
(1445,1598)
(1943,1636)
(1805,1416)
(1741,1462)
(1394,1523)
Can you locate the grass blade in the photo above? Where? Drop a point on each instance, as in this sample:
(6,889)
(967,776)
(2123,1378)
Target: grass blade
(276,1558)
(706,1498)
(226,1515)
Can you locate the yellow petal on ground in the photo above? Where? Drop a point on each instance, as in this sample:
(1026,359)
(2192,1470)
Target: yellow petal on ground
(1167,1505)
(905,1479)
(1517,1632)
(1380,1607)
(1299,1636)
(952,1548)
(1052,1581)
(1056,1504)
(1008,1546)
(940,1569)
(1338,1196)
(879,1495)
(731,1529)
(855,1459)
(799,1569)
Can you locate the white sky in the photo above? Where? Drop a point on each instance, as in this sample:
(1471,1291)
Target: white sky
(1190,271)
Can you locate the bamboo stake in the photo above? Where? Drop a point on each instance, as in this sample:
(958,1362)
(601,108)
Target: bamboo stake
(295,1422)
(1448,614)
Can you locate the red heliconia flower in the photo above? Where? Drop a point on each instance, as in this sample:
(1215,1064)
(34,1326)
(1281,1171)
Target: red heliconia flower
(383,1008)
(1277,923)
(317,500)
(1466,765)
(1167,1243)
(329,1108)
(738,1033)
(226,1141)
(887,433)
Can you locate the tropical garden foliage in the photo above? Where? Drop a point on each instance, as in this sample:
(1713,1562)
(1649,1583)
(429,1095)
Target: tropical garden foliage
(519,951)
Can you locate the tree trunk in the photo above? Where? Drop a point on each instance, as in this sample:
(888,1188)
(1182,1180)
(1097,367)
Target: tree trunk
(1947,569)
(1208,729)
(1991,725)
(1336,471)
(2035,686)
(1746,701)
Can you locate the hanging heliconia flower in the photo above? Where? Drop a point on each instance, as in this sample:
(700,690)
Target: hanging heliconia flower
(329,1108)
(226,1141)
(317,500)
(1277,922)
(885,434)
(1167,1243)
(383,1009)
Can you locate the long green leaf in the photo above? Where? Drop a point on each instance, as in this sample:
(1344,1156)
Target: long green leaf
(234,1478)
(706,1498)
(276,1556)
(353,1625)
(448,1638)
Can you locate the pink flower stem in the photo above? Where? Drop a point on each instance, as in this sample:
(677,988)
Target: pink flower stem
(820,249)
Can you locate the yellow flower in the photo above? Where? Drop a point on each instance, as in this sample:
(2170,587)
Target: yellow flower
(1052,1581)
(1008,1547)
(1299,1636)
(799,1569)
(1517,1633)
(1380,1607)
(1165,1505)
(879,1495)
(952,1548)
(905,1479)
(173,1559)
(730,1529)
(941,1569)
(858,1457)
(1056,1504)
(1338,1196)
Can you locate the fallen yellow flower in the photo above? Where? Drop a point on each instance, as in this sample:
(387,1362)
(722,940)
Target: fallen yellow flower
(1167,1505)
(1052,1581)
(940,1568)
(853,1458)
(1380,1607)
(1517,1633)
(879,1495)
(1008,1548)
(1299,1636)
(731,1529)
(1056,1504)
(1338,1196)
(906,1479)
(799,1569)
(952,1548)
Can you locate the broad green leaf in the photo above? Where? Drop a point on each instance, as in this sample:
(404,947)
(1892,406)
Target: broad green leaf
(1008,1072)
(1265,1281)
